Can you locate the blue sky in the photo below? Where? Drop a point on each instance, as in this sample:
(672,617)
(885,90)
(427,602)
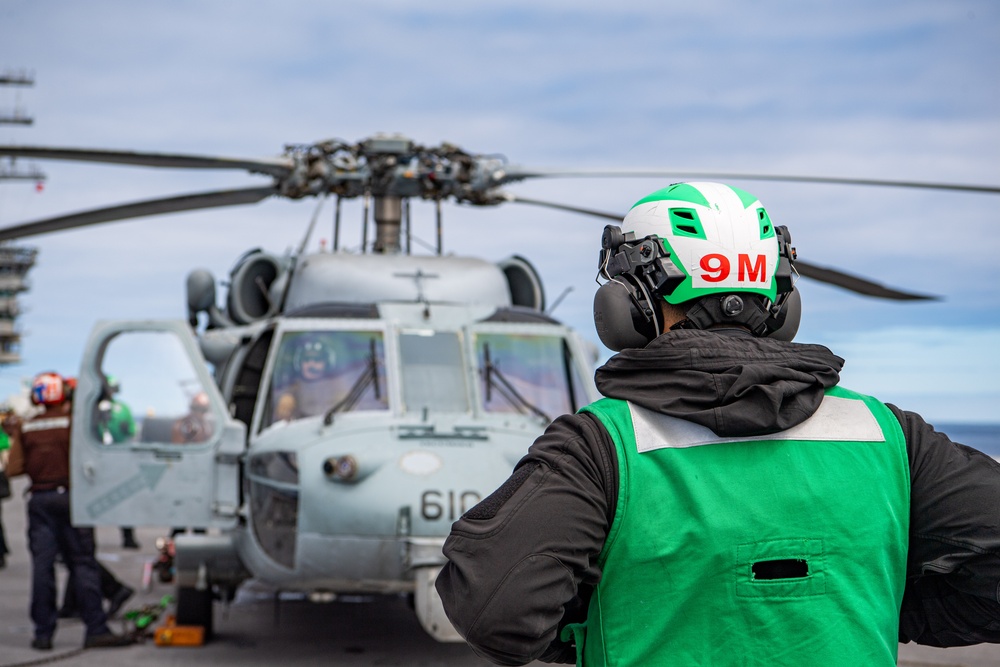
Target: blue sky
(899,90)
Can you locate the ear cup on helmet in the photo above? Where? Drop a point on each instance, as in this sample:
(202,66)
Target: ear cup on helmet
(619,323)
(792,310)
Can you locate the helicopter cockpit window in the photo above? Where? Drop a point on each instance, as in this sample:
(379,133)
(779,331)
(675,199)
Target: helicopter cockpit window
(432,371)
(321,371)
(151,393)
(527,374)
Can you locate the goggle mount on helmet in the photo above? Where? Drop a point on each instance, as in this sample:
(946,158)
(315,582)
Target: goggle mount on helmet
(640,272)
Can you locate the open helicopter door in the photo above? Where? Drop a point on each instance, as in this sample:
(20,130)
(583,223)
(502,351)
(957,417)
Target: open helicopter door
(152,441)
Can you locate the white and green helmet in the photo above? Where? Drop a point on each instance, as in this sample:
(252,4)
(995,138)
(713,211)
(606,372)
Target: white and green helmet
(720,237)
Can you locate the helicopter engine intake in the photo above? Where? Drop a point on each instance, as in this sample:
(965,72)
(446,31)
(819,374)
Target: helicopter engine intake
(524,282)
(256,289)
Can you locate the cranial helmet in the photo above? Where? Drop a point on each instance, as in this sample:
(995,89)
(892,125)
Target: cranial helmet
(48,389)
(707,247)
(310,347)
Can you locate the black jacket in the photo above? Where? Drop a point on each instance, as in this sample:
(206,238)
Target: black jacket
(522,563)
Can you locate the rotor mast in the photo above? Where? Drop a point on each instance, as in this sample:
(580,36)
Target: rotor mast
(388,214)
(395,170)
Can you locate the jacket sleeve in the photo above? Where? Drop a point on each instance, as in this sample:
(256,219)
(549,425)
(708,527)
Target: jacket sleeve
(522,563)
(952,595)
(15,462)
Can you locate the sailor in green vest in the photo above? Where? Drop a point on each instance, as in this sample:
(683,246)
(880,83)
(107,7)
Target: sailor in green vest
(115,423)
(727,503)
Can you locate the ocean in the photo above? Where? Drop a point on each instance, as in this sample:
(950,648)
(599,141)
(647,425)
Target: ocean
(984,437)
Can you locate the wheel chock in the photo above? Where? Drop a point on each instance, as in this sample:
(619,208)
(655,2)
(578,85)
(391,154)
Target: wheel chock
(171,634)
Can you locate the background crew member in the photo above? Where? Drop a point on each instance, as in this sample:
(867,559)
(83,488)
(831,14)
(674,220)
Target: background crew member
(40,448)
(315,385)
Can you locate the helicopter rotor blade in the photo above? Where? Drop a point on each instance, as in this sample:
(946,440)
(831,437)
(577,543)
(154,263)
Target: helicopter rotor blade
(560,207)
(517,173)
(177,204)
(346,170)
(856,284)
(278,167)
(805,269)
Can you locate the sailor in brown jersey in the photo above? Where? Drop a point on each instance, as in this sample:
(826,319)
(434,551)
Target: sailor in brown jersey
(40,449)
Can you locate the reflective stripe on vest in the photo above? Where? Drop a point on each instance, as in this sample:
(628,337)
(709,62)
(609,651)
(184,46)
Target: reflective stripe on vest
(836,419)
(45,424)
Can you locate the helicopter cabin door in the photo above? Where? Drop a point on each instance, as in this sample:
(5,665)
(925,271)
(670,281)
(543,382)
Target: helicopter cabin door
(152,441)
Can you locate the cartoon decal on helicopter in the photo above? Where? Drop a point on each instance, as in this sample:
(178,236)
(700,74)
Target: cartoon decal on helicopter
(332,421)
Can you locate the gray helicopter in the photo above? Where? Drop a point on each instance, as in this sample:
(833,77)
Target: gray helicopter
(327,425)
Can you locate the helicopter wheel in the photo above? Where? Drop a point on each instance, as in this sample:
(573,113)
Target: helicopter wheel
(194,607)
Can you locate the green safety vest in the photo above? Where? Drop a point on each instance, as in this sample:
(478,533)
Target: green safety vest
(784,549)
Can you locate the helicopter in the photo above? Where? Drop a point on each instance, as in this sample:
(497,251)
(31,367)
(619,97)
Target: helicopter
(328,423)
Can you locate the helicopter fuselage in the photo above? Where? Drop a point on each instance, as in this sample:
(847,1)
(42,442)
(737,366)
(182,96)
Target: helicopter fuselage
(343,437)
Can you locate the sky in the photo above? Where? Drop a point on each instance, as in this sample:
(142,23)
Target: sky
(891,89)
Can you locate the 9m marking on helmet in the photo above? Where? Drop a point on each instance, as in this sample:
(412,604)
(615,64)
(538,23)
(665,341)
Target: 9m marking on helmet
(717,268)
(707,229)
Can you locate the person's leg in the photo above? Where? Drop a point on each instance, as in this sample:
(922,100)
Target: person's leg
(128,538)
(114,591)
(109,584)
(79,554)
(3,541)
(43,544)
(68,608)
(87,577)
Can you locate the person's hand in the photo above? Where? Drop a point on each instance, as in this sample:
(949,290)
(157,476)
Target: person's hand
(285,408)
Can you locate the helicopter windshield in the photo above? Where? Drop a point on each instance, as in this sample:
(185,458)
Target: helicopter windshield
(318,372)
(433,374)
(528,374)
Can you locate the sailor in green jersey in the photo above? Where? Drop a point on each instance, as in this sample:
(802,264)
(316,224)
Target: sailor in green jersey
(727,503)
(116,424)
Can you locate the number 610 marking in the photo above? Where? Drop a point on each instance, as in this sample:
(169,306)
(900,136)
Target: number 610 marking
(434,505)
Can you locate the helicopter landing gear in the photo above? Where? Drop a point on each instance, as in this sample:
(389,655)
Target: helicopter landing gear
(194,607)
(194,603)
